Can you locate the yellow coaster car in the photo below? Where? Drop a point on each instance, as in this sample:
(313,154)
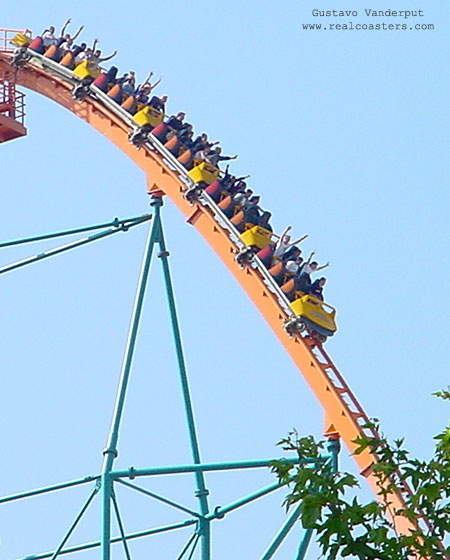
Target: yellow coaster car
(203,172)
(87,69)
(315,316)
(257,237)
(148,116)
(21,40)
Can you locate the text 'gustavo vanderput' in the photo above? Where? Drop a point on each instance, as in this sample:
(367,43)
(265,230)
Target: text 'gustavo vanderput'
(368,12)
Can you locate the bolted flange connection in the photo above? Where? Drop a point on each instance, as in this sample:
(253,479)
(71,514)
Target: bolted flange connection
(81,90)
(139,136)
(218,513)
(294,326)
(246,255)
(20,57)
(199,493)
(192,194)
(110,451)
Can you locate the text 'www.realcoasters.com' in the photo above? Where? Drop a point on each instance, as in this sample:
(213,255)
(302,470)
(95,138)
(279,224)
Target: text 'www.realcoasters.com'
(368,20)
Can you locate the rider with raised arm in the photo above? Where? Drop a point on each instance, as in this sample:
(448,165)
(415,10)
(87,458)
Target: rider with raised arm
(144,90)
(83,52)
(284,242)
(147,85)
(303,281)
(63,28)
(66,40)
(310,267)
(96,56)
(215,157)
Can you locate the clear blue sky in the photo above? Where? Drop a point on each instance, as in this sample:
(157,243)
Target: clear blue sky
(345,135)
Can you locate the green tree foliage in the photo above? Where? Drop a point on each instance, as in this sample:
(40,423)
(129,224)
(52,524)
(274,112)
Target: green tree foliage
(348,528)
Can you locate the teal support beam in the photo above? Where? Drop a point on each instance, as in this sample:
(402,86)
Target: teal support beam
(155,496)
(186,547)
(113,223)
(193,548)
(46,489)
(333,447)
(206,467)
(105,536)
(204,532)
(201,492)
(68,247)
(110,452)
(97,544)
(74,524)
(221,511)
(282,534)
(121,528)
(304,544)
(194,545)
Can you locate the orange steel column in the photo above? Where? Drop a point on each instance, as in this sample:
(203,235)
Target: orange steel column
(344,414)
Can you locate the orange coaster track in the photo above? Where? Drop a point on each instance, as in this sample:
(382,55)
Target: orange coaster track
(344,416)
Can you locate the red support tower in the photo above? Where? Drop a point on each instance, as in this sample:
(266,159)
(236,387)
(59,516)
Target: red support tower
(12,102)
(12,112)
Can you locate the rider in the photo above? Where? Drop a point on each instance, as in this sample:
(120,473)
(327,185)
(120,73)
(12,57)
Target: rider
(159,103)
(284,242)
(316,289)
(65,38)
(214,156)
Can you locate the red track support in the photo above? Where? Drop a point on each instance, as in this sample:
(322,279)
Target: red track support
(12,112)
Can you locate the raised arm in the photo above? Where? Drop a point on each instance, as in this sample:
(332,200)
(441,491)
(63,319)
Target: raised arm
(310,257)
(147,79)
(226,158)
(152,86)
(108,57)
(300,239)
(287,230)
(94,45)
(322,267)
(77,33)
(63,29)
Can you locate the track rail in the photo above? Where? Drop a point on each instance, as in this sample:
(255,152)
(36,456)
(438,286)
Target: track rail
(344,415)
